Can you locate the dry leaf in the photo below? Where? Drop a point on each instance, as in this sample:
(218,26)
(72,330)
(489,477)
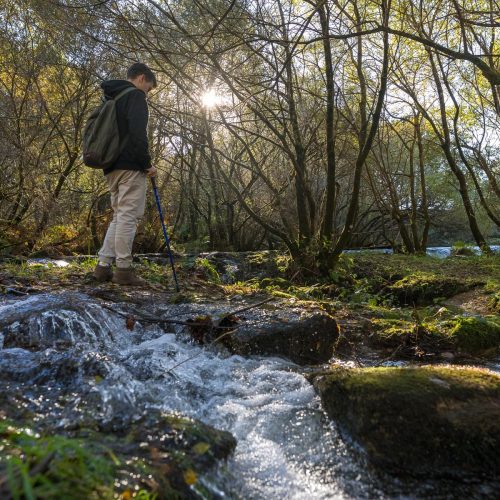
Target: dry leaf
(130,322)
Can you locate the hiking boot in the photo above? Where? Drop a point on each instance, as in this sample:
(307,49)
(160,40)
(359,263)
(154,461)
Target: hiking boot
(127,276)
(103,273)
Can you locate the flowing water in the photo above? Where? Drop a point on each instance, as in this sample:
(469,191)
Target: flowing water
(286,448)
(80,362)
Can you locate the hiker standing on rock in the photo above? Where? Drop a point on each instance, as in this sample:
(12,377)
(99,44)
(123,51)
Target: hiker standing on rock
(127,175)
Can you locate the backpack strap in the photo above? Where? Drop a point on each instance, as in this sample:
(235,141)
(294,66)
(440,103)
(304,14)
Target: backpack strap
(123,92)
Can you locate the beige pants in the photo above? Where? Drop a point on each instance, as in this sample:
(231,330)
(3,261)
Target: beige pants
(128,200)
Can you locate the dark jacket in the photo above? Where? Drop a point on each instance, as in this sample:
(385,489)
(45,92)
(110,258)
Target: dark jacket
(132,115)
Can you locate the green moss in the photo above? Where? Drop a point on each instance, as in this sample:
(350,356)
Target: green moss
(209,269)
(258,258)
(421,382)
(493,287)
(390,331)
(381,311)
(423,288)
(279,283)
(472,334)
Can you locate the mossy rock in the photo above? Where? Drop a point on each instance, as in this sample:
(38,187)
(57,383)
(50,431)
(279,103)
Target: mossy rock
(231,267)
(426,421)
(161,455)
(475,335)
(390,332)
(494,303)
(463,335)
(464,251)
(423,288)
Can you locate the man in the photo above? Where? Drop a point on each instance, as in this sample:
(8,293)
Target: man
(127,177)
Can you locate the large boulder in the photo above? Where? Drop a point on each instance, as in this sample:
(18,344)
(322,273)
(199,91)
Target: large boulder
(304,336)
(432,421)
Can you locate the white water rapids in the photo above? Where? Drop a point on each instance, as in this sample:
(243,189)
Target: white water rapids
(287,448)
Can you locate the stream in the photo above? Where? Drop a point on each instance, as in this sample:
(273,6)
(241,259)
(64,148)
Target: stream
(82,363)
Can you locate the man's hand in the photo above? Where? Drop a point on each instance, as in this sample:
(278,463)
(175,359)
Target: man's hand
(151,172)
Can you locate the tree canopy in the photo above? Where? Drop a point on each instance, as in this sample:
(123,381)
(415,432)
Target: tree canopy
(314,125)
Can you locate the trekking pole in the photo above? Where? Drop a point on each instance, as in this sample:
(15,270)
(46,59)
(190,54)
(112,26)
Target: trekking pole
(167,241)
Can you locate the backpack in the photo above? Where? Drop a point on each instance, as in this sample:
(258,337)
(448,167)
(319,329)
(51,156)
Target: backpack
(101,139)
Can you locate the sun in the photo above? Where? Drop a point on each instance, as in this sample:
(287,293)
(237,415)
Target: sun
(209,99)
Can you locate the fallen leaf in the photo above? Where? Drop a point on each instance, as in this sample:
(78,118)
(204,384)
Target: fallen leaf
(190,476)
(130,322)
(201,448)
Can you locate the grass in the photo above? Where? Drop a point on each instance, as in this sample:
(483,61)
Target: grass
(52,467)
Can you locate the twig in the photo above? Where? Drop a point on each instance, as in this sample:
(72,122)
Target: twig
(155,319)
(198,353)
(152,319)
(393,353)
(239,311)
(14,291)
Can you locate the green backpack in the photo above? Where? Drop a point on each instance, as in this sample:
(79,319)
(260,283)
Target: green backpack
(101,139)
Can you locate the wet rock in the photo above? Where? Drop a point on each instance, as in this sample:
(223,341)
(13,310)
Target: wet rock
(304,336)
(54,321)
(430,421)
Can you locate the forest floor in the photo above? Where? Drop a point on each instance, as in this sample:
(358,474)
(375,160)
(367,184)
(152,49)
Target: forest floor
(387,306)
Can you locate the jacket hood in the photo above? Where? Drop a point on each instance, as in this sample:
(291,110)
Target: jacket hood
(113,87)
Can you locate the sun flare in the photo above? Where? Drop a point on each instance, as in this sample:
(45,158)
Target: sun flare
(209,99)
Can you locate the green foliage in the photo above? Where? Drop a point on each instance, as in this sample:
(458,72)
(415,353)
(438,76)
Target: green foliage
(155,273)
(52,467)
(209,269)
